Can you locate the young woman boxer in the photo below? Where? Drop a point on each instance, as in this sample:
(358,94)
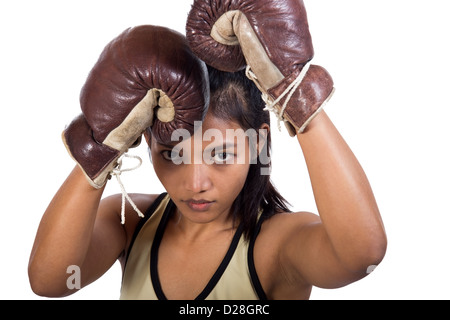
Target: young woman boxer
(221,230)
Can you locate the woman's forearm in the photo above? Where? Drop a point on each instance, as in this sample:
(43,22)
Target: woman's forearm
(343,195)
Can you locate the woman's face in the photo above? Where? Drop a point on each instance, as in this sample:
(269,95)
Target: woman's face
(204,173)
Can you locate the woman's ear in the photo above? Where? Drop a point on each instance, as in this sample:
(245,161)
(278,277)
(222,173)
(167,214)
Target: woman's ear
(263,149)
(148,136)
(263,134)
(258,143)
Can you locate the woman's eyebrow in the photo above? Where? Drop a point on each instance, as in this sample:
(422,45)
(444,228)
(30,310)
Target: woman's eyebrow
(167,146)
(224,146)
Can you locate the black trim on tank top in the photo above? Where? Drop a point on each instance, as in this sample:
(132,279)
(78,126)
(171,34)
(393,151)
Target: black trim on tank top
(154,252)
(251,262)
(154,257)
(223,266)
(141,223)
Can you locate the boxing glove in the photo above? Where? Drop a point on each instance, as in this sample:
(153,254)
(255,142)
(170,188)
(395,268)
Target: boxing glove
(146,77)
(272,39)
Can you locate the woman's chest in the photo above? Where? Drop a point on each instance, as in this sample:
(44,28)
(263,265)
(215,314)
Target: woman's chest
(184,271)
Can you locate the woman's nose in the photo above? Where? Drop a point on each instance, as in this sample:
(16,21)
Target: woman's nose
(196,178)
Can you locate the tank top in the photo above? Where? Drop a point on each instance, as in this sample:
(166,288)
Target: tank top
(235,278)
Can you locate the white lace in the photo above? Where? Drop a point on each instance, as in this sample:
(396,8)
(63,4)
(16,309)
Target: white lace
(117,173)
(290,90)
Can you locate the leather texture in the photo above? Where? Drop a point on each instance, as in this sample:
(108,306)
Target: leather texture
(141,59)
(94,158)
(281,26)
(147,76)
(270,36)
(316,88)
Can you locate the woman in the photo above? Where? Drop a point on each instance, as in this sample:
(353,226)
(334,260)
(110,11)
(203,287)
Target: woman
(223,231)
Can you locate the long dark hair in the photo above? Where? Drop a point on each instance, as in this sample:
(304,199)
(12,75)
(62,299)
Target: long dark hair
(234,97)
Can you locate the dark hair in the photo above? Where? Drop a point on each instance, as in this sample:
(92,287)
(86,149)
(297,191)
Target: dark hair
(234,97)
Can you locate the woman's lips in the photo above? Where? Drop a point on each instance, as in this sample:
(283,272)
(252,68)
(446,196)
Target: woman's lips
(199,205)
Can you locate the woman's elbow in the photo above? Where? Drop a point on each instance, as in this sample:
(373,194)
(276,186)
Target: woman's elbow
(375,254)
(371,244)
(370,255)
(364,252)
(45,285)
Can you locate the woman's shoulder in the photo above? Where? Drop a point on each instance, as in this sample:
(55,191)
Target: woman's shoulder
(289,220)
(279,228)
(274,243)
(112,205)
(141,200)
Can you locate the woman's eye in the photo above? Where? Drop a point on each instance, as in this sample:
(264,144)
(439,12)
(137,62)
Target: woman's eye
(166,154)
(223,157)
(170,155)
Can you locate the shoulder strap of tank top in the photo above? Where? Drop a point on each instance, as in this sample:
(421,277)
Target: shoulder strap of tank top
(147,216)
(251,262)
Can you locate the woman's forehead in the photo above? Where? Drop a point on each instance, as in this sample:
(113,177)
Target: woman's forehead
(213,122)
(212,130)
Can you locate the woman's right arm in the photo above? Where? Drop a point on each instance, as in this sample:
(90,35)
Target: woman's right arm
(76,230)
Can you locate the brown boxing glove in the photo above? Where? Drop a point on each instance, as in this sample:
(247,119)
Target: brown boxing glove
(272,39)
(147,76)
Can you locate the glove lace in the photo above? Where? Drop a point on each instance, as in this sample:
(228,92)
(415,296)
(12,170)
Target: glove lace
(290,90)
(117,172)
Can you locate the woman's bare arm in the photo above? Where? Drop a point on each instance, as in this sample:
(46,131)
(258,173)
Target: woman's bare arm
(338,247)
(66,237)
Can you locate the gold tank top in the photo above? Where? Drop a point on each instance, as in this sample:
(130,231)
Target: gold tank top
(235,279)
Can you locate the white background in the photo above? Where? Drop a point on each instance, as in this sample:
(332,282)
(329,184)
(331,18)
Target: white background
(390,63)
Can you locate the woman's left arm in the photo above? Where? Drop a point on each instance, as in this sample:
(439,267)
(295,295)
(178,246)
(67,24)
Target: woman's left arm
(348,239)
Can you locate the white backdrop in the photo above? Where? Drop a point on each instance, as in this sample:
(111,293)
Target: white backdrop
(390,63)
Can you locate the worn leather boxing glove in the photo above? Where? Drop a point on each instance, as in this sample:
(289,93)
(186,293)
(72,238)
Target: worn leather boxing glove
(146,77)
(271,38)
